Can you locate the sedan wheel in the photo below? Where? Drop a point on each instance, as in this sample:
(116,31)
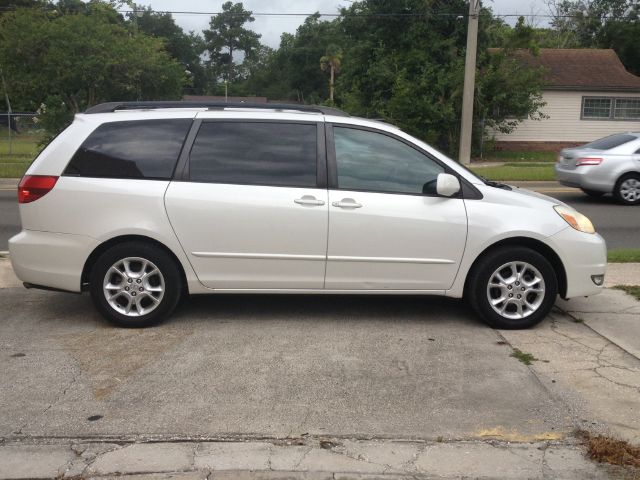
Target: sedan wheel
(627,189)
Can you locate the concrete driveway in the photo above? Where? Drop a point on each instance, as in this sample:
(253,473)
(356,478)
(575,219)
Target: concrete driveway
(266,366)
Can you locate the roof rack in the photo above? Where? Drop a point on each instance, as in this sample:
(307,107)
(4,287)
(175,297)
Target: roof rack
(114,106)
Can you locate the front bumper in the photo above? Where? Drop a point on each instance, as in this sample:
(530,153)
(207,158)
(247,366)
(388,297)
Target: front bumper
(583,256)
(53,260)
(586,177)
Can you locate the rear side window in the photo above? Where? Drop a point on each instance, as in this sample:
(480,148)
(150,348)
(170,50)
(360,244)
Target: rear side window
(140,149)
(253,153)
(612,141)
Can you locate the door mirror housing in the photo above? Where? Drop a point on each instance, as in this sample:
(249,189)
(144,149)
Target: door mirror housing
(447,185)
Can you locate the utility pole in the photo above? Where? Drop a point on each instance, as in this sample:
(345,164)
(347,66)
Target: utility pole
(469,83)
(6,97)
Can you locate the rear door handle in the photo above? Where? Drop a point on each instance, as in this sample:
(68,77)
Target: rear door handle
(347,203)
(309,200)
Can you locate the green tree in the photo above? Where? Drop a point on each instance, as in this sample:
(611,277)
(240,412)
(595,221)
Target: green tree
(409,69)
(331,62)
(227,35)
(69,62)
(186,48)
(600,24)
(294,65)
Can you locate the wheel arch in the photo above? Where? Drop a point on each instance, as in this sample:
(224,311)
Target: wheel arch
(626,173)
(535,245)
(104,246)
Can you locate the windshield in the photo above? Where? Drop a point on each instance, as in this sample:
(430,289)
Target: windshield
(612,141)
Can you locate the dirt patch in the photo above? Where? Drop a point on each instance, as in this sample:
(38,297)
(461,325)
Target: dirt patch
(109,356)
(615,452)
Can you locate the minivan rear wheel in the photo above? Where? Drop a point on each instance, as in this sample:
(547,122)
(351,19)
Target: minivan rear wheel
(135,284)
(627,189)
(512,287)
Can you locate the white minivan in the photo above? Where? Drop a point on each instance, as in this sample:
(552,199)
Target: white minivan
(141,203)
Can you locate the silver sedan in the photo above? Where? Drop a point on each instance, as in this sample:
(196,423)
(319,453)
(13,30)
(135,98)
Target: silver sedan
(608,165)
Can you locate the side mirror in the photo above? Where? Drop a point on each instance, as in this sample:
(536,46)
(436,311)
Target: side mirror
(447,185)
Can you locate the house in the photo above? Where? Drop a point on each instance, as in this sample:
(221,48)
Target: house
(588,95)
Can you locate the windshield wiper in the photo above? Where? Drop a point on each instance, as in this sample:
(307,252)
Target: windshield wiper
(491,183)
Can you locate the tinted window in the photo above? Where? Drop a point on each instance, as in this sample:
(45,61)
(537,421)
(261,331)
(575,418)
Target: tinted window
(282,154)
(139,149)
(373,161)
(612,141)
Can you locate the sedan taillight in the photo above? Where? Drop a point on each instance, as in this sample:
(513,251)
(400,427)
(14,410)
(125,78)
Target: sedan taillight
(588,161)
(33,187)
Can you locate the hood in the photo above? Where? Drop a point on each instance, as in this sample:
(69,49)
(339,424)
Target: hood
(531,193)
(520,195)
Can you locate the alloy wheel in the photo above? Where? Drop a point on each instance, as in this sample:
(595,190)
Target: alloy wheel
(516,290)
(133,286)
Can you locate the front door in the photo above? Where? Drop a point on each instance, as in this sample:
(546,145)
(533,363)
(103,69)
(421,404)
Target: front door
(388,229)
(251,215)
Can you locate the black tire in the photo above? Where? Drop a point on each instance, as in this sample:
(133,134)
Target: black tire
(618,189)
(169,274)
(477,287)
(593,193)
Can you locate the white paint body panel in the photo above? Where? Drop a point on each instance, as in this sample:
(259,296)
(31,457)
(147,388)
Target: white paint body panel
(98,209)
(247,236)
(409,242)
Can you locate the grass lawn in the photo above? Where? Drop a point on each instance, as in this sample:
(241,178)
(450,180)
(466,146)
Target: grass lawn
(501,156)
(624,255)
(515,172)
(633,290)
(24,148)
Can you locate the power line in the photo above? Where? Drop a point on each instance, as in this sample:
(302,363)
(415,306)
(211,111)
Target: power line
(364,14)
(360,14)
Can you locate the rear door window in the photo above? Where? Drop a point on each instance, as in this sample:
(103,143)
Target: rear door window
(147,149)
(255,153)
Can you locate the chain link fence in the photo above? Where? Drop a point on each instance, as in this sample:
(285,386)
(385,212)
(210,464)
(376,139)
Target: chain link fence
(20,139)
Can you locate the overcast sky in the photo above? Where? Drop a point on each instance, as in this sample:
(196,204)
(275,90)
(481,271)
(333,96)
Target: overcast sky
(272,27)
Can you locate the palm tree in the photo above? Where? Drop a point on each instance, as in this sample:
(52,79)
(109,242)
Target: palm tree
(331,61)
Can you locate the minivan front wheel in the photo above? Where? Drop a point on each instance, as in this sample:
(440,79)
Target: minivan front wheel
(512,288)
(134,284)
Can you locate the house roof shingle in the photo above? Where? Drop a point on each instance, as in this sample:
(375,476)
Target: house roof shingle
(582,69)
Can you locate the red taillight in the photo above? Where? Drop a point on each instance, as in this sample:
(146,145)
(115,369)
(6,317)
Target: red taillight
(588,161)
(33,187)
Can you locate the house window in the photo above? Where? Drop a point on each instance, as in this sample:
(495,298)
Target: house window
(627,108)
(603,108)
(596,108)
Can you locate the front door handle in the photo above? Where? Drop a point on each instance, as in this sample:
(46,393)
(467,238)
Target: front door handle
(347,203)
(309,200)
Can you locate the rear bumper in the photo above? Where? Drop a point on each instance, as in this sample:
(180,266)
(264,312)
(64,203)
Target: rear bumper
(53,260)
(583,256)
(586,177)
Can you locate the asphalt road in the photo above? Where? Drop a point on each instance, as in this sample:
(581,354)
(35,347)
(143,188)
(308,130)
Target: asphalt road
(619,225)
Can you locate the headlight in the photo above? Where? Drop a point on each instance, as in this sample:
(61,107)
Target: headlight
(575,219)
